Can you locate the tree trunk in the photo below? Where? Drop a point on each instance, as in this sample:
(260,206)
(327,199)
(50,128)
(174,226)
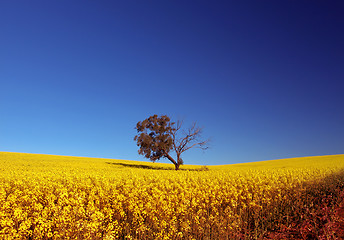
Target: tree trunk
(179,161)
(176,164)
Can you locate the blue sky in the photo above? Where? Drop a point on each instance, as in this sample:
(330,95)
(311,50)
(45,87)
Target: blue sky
(264,78)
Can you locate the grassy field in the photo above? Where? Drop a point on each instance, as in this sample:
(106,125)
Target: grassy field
(58,197)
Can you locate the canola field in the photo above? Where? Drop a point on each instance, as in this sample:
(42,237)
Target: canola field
(58,197)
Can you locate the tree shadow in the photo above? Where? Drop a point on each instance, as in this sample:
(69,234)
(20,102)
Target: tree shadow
(153,167)
(138,166)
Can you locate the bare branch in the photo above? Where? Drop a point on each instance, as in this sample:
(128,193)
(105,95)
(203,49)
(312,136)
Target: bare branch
(193,134)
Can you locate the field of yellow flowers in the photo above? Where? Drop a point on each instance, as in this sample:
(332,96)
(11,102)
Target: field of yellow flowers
(57,197)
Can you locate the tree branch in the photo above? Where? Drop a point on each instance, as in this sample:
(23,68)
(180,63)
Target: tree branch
(201,145)
(192,135)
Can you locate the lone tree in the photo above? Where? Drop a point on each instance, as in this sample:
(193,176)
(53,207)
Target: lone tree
(157,136)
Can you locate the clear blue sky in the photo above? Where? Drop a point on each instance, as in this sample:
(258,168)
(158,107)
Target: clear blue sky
(264,78)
